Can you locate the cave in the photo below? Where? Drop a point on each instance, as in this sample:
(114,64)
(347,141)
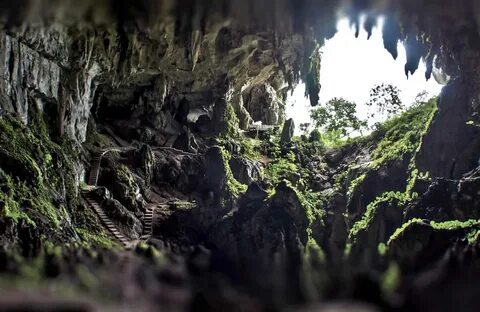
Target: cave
(152,157)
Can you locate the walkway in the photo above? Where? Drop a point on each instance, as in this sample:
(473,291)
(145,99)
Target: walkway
(96,206)
(107,222)
(148,221)
(97,161)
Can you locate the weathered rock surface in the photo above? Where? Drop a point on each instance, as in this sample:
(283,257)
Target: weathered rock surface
(244,170)
(453,150)
(288,131)
(179,73)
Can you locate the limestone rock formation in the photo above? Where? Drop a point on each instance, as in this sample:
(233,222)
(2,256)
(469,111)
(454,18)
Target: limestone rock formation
(149,101)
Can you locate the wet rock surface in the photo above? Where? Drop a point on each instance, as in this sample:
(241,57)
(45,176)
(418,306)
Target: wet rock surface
(160,94)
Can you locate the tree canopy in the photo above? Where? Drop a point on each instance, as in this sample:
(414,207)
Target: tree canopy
(337,116)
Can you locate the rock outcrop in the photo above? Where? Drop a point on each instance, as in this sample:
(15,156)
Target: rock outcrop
(158,93)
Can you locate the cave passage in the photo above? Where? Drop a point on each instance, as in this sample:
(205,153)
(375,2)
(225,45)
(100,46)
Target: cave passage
(232,155)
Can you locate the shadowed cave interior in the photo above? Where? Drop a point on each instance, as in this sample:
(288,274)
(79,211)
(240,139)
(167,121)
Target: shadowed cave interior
(147,164)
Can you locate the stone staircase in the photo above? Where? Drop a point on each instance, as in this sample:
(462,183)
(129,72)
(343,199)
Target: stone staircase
(148,221)
(106,221)
(95,169)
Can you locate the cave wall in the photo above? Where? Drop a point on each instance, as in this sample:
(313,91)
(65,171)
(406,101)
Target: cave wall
(155,70)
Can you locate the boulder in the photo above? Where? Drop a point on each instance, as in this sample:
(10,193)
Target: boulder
(124,219)
(288,131)
(216,170)
(127,190)
(251,202)
(145,160)
(451,146)
(245,170)
(286,199)
(186,142)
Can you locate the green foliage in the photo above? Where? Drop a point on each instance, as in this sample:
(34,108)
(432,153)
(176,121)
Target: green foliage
(234,187)
(402,135)
(388,198)
(35,169)
(312,202)
(385,99)
(280,168)
(391,278)
(313,251)
(337,118)
(454,224)
(402,229)
(470,228)
(355,183)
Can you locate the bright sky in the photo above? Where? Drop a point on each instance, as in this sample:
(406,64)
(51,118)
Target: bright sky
(352,66)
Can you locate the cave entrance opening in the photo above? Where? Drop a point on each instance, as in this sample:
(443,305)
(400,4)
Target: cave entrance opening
(351,67)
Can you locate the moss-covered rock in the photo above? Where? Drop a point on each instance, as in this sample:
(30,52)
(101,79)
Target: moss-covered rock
(37,183)
(418,243)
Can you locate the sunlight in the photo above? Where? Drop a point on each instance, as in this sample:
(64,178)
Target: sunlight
(352,66)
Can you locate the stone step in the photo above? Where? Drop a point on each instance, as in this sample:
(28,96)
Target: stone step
(107,222)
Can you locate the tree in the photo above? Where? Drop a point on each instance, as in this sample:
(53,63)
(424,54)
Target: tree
(421,97)
(304,127)
(338,117)
(385,99)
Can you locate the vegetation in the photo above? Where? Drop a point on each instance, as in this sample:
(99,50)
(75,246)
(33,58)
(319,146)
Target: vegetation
(400,137)
(280,168)
(389,198)
(35,169)
(338,118)
(402,229)
(403,134)
(393,140)
(470,228)
(233,186)
(385,101)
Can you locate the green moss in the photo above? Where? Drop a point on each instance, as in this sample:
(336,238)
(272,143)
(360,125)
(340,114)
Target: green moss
(91,231)
(355,183)
(232,123)
(234,187)
(97,140)
(36,170)
(454,224)
(402,135)
(11,209)
(391,278)
(280,168)
(314,251)
(91,239)
(382,249)
(388,198)
(125,176)
(401,229)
